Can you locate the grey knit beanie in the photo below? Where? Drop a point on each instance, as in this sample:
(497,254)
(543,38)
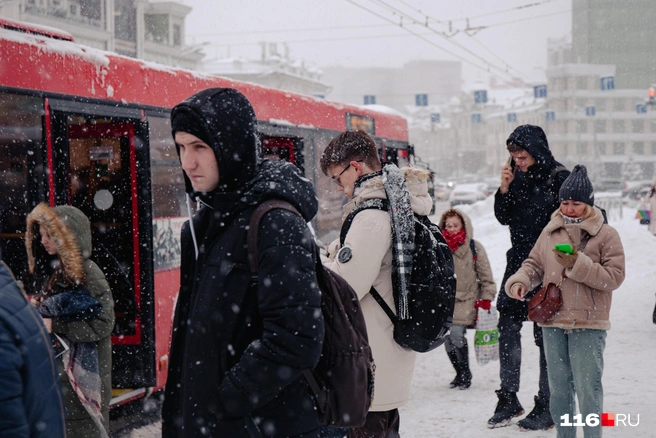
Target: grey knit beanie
(577,186)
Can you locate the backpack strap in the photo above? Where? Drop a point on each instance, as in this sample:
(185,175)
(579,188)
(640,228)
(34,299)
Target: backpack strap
(555,172)
(376,204)
(254,225)
(374,293)
(472,246)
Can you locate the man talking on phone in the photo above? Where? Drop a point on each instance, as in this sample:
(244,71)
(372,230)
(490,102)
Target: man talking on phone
(527,196)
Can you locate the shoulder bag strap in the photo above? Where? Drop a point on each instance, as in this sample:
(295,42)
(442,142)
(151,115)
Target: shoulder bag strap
(376,204)
(374,293)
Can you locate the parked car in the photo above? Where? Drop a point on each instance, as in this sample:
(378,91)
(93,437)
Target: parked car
(468,193)
(442,191)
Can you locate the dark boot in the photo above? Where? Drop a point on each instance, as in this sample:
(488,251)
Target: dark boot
(453,356)
(539,418)
(507,408)
(465,372)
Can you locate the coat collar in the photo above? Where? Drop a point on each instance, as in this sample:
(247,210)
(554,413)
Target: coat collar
(591,225)
(416,180)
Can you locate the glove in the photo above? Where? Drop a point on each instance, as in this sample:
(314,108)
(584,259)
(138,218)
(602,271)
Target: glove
(483,304)
(567,260)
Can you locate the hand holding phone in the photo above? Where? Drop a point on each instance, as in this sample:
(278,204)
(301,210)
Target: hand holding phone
(507,175)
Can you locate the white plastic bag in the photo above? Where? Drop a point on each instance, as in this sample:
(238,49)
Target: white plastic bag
(486,341)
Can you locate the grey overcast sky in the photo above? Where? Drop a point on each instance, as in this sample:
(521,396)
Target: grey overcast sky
(506,37)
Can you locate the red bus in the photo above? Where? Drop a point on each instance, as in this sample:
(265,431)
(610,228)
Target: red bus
(89,128)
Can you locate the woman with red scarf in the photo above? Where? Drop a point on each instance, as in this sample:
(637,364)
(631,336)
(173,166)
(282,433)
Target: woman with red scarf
(475,289)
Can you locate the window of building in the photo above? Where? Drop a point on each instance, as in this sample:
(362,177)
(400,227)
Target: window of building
(601,148)
(618,148)
(177,35)
(581,103)
(618,105)
(582,148)
(653,147)
(582,126)
(653,126)
(91,9)
(638,125)
(600,126)
(639,148)
(600,104)
(618,125)
(582,83)
(125,20)
(157,28)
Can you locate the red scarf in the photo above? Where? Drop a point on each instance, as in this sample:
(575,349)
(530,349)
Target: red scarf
(455,240)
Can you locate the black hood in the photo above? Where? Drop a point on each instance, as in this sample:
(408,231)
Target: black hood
(225,120)
(533,139)
(281,180)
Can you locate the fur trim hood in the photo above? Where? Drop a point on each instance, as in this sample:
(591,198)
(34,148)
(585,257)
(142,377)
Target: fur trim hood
(416,180)
(69,229)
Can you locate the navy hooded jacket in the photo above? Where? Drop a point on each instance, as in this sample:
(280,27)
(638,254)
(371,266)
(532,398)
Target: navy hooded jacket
(31,404)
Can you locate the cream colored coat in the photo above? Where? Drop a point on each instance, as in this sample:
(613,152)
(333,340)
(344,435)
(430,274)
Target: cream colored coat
(474,280)
(652,207)
(370,239)
(598,271)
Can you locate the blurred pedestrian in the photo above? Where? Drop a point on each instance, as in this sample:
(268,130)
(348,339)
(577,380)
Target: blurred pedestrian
(30,399)
(76,302)
(651,197)
(475,289)
(240,345)
(526,198)
(575,337)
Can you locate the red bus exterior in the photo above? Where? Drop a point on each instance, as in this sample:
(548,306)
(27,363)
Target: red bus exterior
(90,128)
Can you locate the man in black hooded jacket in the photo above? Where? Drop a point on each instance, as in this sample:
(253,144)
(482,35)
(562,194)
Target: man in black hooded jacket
(526,198)
(239,349)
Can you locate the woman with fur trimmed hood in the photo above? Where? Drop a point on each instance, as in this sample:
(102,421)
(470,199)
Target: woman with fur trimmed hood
(65,234)
(475,289)
(575,336)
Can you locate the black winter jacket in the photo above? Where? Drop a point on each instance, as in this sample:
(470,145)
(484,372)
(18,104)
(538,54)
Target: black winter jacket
(31,404)
(527,206)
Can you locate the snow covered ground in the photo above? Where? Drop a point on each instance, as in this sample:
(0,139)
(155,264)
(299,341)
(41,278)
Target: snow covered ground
(434,410)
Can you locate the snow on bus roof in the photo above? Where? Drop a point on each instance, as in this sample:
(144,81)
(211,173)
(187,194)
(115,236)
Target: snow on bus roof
(61,47)
(35,29)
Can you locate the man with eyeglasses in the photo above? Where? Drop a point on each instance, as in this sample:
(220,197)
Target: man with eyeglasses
(365,259)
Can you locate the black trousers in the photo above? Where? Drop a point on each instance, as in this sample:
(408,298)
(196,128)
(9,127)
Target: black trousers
(378,425)
(510,354)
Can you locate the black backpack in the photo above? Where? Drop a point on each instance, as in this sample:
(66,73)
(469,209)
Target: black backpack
(432,291)
(343,380)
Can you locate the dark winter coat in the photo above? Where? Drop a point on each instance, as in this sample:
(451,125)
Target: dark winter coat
(239,347)
(527,206)
(69,228)
(31,404)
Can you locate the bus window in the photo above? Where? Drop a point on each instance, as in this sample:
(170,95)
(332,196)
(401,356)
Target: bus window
(169,207)
(21,174)
(284,148)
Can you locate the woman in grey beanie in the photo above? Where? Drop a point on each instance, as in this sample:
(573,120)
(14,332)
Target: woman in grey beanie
(575,337)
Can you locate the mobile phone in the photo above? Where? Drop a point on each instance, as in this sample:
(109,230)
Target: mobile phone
(511,163)
(564,247)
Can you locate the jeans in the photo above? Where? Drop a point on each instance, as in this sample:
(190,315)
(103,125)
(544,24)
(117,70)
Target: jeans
(332,432)
(575,359)
(510,354)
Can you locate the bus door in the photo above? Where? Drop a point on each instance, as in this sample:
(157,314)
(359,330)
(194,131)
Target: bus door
(95,168)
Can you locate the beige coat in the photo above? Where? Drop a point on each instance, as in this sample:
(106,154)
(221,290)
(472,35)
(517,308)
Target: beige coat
(370,239)
(474,280)
(598,271)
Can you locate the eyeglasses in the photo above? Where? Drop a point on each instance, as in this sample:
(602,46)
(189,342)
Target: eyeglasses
(336,179)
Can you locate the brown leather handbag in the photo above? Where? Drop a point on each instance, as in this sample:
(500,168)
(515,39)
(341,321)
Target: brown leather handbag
(544,304)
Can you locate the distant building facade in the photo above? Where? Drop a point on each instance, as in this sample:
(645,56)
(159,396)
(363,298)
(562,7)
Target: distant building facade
(396,87)
(621,33)
(275,69)
(146,29)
